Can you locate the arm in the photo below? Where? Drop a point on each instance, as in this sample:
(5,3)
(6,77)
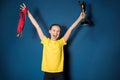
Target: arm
(34,22)
(68,33)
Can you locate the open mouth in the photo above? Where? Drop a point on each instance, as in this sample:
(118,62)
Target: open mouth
(55,36)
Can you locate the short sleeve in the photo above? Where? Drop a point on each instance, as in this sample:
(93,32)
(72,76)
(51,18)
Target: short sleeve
(43,41)
(62,41)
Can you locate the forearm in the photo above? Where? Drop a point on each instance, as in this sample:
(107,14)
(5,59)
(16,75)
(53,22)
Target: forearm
(75,23)
(36,25)
(33,21)
(69,31)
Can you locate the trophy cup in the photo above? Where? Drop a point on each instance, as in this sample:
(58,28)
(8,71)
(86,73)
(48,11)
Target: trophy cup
(83,9)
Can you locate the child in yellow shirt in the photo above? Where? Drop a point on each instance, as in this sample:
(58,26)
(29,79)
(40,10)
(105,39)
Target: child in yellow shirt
(53,52)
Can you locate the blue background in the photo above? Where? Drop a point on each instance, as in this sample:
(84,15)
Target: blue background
(92,53)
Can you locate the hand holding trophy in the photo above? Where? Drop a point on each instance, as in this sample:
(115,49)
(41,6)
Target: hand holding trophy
(83,9)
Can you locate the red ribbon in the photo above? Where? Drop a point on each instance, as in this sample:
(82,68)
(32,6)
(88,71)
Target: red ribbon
(23,14)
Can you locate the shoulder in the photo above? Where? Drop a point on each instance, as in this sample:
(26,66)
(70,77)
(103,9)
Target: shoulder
(62,41)
(45,39)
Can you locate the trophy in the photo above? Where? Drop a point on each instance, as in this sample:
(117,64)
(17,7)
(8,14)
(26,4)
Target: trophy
(83,9)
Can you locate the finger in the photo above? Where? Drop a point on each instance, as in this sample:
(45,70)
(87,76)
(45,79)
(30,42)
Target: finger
(24,5)
(21,6)
(83,12)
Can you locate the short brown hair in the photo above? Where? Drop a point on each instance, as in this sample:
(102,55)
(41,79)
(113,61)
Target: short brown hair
(54,25)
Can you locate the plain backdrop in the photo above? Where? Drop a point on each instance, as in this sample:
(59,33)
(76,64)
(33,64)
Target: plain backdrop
(92,52)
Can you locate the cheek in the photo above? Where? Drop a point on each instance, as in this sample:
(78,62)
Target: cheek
(59,33)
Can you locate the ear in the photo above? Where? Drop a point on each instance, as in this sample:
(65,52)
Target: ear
(49,31)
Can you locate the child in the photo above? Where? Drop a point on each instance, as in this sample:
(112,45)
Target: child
(53,53)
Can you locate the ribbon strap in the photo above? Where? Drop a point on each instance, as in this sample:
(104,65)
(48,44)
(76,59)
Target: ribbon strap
(23,14)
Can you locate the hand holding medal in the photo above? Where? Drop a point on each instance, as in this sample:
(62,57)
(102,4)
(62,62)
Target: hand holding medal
(23,14)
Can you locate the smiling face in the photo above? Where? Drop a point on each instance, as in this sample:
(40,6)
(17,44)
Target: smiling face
(54,32)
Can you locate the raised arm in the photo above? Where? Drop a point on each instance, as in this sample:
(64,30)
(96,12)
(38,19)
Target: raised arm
(67,34)
(34,22)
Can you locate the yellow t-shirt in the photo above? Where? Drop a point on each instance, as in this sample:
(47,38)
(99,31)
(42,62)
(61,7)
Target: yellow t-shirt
(53,55)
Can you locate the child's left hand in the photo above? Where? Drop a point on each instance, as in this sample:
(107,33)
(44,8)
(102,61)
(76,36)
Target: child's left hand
(83,15)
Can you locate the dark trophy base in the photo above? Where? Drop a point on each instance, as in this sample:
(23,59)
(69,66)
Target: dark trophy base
(84,22)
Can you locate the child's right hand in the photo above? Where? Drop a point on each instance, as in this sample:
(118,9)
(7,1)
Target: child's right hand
(22,7)
(83,15)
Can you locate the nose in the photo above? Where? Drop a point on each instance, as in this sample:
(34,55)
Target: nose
(56,32)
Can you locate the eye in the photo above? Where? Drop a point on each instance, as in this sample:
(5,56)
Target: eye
(58,31)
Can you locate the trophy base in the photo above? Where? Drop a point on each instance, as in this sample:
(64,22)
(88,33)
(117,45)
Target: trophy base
(84,22)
